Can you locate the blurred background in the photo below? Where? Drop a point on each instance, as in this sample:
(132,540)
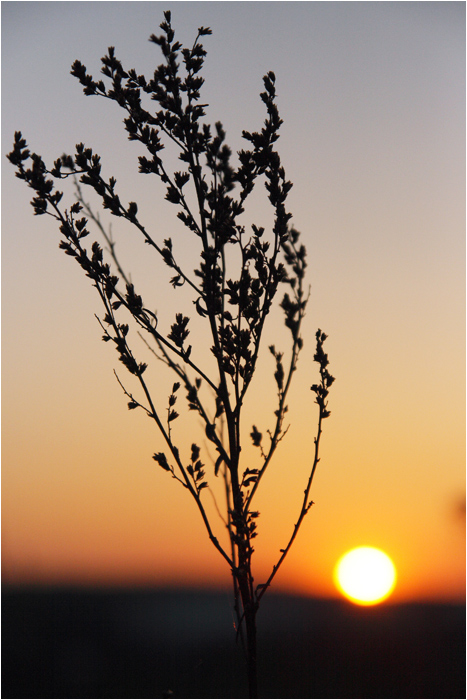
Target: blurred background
(373,101)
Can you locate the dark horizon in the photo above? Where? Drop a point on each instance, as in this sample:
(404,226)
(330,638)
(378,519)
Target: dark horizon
(181,643)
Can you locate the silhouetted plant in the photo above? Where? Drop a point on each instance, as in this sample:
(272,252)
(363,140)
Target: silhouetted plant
(235,309)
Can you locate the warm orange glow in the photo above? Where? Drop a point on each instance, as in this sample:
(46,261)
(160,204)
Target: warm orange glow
(365,575)
(83,502)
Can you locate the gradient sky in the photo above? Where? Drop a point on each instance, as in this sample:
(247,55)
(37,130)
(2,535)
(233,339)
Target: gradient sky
(373,100)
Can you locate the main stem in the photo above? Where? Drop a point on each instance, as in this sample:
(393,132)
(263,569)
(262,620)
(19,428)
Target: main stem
(242,572)
(249,613)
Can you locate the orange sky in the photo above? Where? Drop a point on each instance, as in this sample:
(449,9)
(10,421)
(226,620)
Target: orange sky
(373,140)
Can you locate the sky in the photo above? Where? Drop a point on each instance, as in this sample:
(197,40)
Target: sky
(372,95)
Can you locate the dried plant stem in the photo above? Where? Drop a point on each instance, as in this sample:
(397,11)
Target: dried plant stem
(234,309)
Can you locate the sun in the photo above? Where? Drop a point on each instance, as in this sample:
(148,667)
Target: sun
(365,575)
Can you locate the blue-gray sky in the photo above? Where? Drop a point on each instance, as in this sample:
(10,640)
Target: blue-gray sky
(373,100)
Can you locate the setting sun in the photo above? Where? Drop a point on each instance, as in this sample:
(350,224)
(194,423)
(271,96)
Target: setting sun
(365,575)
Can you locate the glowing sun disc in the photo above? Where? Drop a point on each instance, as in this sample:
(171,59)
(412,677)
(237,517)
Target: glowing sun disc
(365,575)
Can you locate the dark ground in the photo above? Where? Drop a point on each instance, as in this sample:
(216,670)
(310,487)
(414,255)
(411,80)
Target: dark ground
(154,644)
